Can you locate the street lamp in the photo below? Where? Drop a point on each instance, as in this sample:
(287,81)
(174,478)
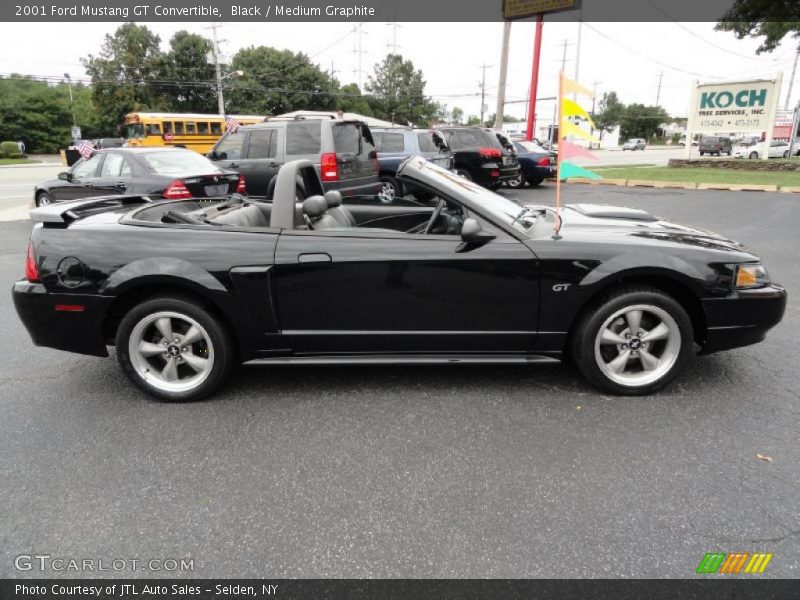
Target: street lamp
(71,105)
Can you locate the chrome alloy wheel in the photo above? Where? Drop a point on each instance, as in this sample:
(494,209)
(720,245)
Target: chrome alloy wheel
(388,190)
(637,345)
(171,351)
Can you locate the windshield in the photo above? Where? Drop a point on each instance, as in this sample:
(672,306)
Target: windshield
(179,163)
(132,130)
(498,208)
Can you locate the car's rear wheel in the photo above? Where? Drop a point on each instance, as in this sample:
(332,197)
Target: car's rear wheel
(754,155)
(43,199)
(464,174)
(391,188)
(786,154)
(517,182)
(633,342)
(535,181)
(174,349)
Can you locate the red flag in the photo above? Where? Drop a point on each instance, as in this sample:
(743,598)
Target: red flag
(567,150)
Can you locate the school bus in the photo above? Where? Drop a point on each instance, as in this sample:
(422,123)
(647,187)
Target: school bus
(183,130)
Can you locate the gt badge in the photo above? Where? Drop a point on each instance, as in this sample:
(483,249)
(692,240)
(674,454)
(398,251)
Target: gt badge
(561,287)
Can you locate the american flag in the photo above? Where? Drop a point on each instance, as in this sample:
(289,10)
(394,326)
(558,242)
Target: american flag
(232,125)
(85,149)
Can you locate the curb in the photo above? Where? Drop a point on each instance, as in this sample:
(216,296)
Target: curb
(685,185)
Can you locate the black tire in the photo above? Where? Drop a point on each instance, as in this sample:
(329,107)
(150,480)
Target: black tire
(217,346)
(43,199)
(753,155)
(463,173)
(702,153)
(300,192)
(786,154)
(535,181)
(729,153)
(390,183)
(677,348)
(517,182)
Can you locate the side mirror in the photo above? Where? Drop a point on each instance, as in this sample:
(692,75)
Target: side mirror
(472,234)
(212,155)
(65,176)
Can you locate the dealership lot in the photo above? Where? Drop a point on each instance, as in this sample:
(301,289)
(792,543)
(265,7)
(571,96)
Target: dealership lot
(403,471)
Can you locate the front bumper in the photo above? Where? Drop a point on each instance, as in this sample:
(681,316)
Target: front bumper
(72,330)
(743,317)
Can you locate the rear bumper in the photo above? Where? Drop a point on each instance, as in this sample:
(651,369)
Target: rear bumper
(742,318)
(71,330)
(494,173)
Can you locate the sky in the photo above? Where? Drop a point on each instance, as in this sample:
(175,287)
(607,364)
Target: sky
(628,58)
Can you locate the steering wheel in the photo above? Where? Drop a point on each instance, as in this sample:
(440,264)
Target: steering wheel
(435,216)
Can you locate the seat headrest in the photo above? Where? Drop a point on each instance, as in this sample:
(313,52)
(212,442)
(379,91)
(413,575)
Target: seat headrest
(314,206)
(333,198)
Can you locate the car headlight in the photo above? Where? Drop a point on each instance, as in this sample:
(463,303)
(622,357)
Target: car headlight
(750,276)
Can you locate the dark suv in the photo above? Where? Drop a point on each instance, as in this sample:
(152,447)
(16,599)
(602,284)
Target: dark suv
(483,155)
(396,144)
(342,151)
(711,144)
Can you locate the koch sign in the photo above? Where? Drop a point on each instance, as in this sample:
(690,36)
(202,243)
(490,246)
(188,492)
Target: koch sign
(734,107)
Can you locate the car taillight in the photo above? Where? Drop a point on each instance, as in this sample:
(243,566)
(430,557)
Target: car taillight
(495,173)
(31,268)
(177,190)
(241,188)
(489,152)
(329,169)
(544,161)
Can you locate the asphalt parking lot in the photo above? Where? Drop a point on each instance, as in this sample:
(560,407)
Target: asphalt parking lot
(494,471)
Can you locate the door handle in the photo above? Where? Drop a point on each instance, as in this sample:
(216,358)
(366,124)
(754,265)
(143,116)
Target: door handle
(312,257)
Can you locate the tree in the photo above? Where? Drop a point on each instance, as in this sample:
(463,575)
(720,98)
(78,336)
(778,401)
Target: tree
(278,81)
(351,100)
(398,92)
(35,113)
(128,74)
(187,65)
(506,119)
(768,19)
(610,113)
(642,121)
(457,115)
(473,120)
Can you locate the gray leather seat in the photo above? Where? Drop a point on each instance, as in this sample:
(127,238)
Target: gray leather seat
(316,209)
(244,216)
(337,211)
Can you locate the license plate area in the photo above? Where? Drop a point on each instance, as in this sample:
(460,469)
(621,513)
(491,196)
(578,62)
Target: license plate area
(216,190)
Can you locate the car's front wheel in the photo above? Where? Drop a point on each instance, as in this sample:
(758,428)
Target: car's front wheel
(754,155)
(633,342)
(174,348)
(391,188)
(786,154)
(43,199)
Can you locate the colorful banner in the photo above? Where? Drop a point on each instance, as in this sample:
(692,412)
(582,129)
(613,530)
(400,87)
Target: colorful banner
(569,170)
(569,150)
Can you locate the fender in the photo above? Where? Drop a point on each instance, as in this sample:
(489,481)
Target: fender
(151,268)
(650,262)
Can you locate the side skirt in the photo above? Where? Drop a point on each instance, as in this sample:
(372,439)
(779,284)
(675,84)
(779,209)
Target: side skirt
(404,359)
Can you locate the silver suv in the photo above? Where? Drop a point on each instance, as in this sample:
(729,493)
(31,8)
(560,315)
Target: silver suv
(635,144)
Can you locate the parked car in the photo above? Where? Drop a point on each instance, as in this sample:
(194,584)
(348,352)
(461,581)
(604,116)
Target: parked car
(715,144)
(635,144)
(777,149)
(396,144)
(475,278)
(535,165)
(342,151)
(480,156)
(171,173)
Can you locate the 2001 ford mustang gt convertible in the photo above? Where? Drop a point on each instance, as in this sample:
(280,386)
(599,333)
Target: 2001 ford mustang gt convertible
(187,289)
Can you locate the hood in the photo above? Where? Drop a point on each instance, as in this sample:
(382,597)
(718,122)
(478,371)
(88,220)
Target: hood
(613,221)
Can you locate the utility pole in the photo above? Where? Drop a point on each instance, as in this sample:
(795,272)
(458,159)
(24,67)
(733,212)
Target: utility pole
(578,50)
(395,26)
(217,69)
(501,85)
(359,52)
(791,82)
(658,93)
(483,89)
(333,71)
(594,100)
(71,105)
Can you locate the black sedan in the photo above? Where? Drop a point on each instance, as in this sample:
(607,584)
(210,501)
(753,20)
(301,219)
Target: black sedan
(171,173)
(186,290)
(535,165)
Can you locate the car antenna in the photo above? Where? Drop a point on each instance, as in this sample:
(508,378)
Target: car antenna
(557,227)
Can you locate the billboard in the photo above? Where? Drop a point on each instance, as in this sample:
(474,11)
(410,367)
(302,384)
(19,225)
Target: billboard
(519,9)
(735,107)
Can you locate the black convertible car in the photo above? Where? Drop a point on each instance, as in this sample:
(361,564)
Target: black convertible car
(187,289)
